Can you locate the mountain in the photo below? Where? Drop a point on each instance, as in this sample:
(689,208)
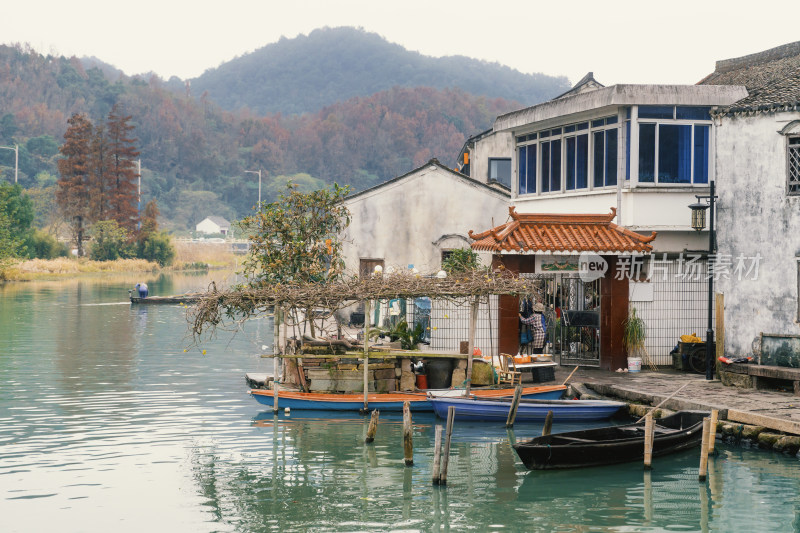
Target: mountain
(304,74)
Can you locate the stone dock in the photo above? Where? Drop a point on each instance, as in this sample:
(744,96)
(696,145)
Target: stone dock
(768,418)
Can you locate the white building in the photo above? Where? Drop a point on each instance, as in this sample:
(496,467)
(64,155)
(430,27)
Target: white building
(213,225)
(645,150)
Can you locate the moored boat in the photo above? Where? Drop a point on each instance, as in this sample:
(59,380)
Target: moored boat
(611,444)
(176,299)
(418,401)
(529,409)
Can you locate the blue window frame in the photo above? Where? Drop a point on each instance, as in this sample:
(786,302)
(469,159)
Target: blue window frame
(701,140)
(647,153)
(656,111)
(674,153)
(692,113)
(599,157)
(576,163)
(526,169)
(545,167)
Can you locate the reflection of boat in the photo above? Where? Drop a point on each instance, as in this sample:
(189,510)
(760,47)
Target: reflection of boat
(613,444)
(418,401)
(534,409)
(176,299)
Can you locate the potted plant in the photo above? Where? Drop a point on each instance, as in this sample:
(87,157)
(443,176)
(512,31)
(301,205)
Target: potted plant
(634,337)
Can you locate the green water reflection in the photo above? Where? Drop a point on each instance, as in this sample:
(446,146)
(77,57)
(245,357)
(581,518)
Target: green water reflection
(105,422)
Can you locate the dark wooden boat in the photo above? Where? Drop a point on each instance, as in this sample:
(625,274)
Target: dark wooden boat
(611,444)
(177,299)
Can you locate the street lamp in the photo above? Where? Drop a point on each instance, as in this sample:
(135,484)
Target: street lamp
(698,224)
(259,183)
(16,159)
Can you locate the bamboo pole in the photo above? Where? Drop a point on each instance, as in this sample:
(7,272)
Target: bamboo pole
(451,414)
(367,305)
(512,409)
(548,423)
(373,426)
(276,324)
(437,453)
(666,399)
(473,324)
(649,428)
(712,435)
(408,443)
(704,449)
(570,375)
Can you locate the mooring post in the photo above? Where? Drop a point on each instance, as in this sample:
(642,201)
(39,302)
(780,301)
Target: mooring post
(712,435)
(512,410)
(473,325)
(649,428)
(373,426)
(704,449)
(276,318)
(548,423)
(367,305)
(451,414)
(437,453)
(408,444)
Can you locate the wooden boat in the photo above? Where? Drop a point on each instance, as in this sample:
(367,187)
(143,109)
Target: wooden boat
(176,299)
(529,410)
(418,401)
(612,444)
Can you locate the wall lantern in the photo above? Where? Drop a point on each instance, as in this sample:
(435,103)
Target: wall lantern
(699,215)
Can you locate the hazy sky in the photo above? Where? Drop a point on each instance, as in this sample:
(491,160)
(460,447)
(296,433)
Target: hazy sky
(622,42)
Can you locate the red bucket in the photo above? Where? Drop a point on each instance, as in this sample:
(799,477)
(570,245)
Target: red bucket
(422,381)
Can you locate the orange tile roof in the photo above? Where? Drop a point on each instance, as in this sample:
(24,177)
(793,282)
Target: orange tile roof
(566,234)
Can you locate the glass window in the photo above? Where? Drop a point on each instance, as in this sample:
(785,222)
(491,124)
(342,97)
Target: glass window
(611,120)
(598,123)
(674,153)
(582,162)
(544,134)
(701,140)
(570,163)
(583,126)
(500,171)
(522,168)
(611,157)
(692,113)
(628,148)
(656,111)
(545,167)
(532,168)
(599,157)
(556,132)
(793,167)
(555,165)
(532,137)
(521,139)
(647,153)
(569,129)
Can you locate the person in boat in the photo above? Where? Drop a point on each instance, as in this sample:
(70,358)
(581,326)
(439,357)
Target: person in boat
(141,288)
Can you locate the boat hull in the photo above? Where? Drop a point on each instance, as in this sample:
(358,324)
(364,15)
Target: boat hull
(387,401)
(165,299)
(611,445)
(529,410)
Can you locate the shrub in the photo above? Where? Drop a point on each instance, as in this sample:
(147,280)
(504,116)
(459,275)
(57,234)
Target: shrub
(110,242)
(157,247)
(42,245)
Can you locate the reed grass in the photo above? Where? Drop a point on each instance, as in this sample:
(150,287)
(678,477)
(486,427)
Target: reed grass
(67,266)
(191,255)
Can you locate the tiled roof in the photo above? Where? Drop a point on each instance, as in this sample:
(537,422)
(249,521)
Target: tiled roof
(772,78)
(561,234)
(219,221)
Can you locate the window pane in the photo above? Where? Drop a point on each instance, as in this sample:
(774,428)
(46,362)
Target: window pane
(582,162)
(628,149)
(522,169)
(556,132)
(569,164)
(521,139)
(532,137)
(598,123)
(674,153)
(532,168)
(569,129)
(655,111)
(611,157)
(583,126)
(599,152)
(611,120)
(544,134)
(647,153)
(555,166)
(545,173)
(693,113)
(500,171)
(701,134)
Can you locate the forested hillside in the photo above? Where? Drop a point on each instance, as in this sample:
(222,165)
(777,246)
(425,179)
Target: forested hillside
(194,153)
(329,65)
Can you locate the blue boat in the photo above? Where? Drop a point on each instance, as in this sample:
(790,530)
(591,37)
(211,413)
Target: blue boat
(529,410)
(389,401)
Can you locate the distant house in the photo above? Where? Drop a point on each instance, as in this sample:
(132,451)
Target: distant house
(213,225)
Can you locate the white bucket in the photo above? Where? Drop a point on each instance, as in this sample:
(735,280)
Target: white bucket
(634,364)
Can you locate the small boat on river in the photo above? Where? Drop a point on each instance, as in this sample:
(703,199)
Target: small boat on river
(612,444)
(418,401)
(176,299)
(529,410)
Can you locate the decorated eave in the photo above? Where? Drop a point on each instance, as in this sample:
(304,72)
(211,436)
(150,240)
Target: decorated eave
(561,234)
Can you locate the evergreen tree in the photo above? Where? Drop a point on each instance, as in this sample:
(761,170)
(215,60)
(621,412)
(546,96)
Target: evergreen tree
(122,175)
(72,194)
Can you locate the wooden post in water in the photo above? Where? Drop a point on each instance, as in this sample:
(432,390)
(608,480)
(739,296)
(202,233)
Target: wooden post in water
(276,361)
(473,325)
(437,453)
(704,449)
(548,423)
(451,414)
(712,434)
(408,444)
(649,427)
(512,410)
(373,426)
(367,305)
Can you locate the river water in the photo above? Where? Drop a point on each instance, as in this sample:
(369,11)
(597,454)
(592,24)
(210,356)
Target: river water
(111,420)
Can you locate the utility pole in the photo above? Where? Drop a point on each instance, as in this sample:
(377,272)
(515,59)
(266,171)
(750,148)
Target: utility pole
(259,183)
